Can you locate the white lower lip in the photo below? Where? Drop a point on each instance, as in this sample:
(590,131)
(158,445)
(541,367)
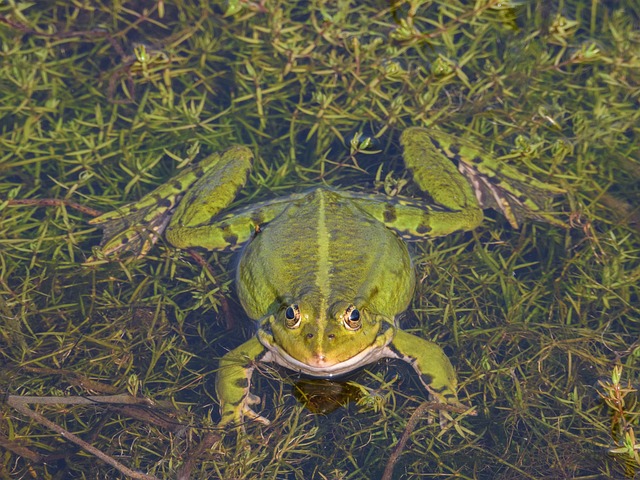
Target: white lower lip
(370,355)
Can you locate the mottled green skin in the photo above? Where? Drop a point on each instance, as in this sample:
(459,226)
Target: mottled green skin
(325,252)
(327,230)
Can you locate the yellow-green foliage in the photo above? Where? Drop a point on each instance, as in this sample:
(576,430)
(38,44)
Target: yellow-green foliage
(101,101)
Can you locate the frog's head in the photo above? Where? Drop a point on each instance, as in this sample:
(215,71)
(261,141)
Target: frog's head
(327,341)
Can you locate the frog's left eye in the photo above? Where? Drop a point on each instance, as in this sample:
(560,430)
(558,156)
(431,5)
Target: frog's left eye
(292,316)
(352,318)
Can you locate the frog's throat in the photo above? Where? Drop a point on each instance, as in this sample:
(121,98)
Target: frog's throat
(372,353)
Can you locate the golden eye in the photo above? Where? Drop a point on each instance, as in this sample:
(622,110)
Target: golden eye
(292,316)
(352,319)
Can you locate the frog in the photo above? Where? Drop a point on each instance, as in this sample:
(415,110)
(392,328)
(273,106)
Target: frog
(326,273)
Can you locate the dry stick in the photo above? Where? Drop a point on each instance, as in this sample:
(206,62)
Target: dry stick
(411,425)
(184,472)
(19,450)
(133,407)
(54,202)
(20,407)
(124,398)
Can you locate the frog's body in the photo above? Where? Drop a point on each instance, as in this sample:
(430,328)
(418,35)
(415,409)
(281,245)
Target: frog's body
(324,273)
(336,273)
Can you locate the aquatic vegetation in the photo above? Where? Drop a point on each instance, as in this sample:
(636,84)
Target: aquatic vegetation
(100,102)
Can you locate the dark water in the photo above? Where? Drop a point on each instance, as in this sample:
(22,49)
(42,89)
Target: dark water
(100,103)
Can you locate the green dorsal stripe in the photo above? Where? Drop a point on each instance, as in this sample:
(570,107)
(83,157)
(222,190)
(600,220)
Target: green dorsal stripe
(324,264)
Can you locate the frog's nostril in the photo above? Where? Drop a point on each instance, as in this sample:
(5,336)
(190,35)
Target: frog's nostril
(331,336)
(309,335)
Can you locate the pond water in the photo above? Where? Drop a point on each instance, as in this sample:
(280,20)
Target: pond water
(101,102)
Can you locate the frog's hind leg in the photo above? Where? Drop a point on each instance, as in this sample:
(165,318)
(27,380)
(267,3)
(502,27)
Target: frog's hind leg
(212,183)
(495,184)
(450,204)
(453,202)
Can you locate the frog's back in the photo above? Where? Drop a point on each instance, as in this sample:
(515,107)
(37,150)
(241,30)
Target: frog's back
(323,244)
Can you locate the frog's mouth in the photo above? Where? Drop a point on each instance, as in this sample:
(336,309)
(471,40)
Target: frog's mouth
(321,367)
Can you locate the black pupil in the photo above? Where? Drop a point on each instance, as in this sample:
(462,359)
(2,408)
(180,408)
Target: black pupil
(354,315)
(290,314)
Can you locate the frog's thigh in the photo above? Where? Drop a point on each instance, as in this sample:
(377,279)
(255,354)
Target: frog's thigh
(414,219)
(431,363)
(227,232)
(435,174)
(212,187)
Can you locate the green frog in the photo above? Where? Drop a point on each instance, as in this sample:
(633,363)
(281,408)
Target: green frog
(325,273)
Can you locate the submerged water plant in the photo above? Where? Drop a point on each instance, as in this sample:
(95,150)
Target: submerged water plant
(101,102)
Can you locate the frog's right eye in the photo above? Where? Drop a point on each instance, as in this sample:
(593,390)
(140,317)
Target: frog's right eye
(292,316)
(352,319)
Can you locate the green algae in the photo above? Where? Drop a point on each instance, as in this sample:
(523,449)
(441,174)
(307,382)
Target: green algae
(102,101)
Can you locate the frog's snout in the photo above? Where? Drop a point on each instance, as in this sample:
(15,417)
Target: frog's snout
(321,351)
(319,360)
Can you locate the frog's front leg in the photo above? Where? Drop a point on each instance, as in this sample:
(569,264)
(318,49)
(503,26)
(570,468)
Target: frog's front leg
(430,362)
(233,383)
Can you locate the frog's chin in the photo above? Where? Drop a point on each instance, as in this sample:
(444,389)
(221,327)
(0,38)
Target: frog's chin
(320,366)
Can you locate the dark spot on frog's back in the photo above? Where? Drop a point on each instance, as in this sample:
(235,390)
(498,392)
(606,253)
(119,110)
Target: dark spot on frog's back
(423,229)
(454,154)
(390,213)
(231,239)
(257,219)
(164,203)
(427,379)
(228,236)
(476,160)
(198,171)
(241,383)
(374,293)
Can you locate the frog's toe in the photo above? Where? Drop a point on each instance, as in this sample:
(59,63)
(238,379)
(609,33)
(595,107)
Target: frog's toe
(248,412)
(256,417)
(450,403)
(252,399)
(136,233)
(444,416)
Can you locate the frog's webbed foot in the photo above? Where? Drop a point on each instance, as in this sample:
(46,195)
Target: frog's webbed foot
(132,229)
(496,184)
(511,193)
(136,227)
(193,197)
(445,404)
